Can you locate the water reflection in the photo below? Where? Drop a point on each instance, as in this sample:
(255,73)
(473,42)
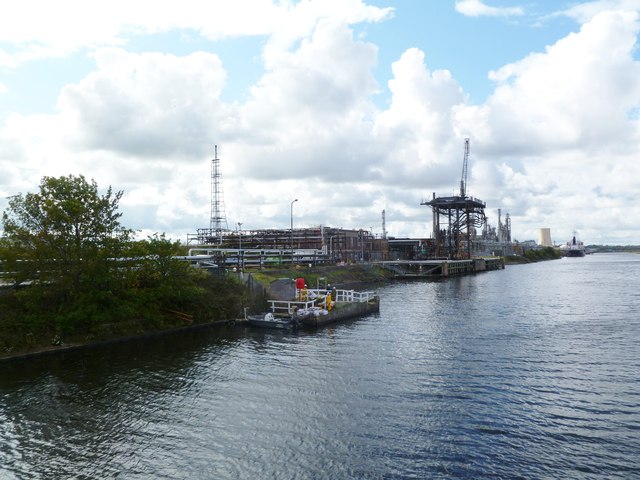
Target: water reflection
(530,371)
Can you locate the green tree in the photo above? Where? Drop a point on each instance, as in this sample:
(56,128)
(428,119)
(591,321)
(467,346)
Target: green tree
(166,281)
(86,279)
(64,241)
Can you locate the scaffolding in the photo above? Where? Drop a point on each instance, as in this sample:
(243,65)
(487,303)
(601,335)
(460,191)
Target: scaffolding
(318,244)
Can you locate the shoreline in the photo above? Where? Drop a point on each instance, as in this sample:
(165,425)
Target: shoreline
(351,275)
(73,347)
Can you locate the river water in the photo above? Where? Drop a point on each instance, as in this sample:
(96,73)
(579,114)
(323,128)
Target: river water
(528,372)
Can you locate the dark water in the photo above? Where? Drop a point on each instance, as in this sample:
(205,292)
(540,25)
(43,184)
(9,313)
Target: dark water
(530,372)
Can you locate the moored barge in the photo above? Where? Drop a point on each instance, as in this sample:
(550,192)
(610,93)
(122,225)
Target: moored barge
(317,307)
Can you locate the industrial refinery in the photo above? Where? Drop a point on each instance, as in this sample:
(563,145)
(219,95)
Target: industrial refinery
(460,230)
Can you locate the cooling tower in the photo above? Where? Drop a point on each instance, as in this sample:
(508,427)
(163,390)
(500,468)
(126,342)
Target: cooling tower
(544,237)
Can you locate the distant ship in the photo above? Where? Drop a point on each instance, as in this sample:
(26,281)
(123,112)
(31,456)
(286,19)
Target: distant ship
(574,248)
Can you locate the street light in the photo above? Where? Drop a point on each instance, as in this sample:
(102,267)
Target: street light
(294,201)
(240,248)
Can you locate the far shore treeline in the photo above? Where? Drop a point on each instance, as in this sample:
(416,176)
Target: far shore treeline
(72,273)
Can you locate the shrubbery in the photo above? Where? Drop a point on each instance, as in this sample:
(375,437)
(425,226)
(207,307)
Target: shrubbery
(546,253)
(73,273)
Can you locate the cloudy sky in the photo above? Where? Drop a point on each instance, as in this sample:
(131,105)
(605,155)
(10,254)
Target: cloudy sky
(351,106)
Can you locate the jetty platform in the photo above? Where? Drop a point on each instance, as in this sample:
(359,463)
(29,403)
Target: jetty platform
(440,267)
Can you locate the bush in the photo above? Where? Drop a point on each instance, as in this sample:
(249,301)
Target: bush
(546,253)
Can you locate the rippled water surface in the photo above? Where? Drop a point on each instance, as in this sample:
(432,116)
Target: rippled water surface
(529,372)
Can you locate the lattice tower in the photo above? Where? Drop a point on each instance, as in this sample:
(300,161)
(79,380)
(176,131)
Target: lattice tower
(218,223)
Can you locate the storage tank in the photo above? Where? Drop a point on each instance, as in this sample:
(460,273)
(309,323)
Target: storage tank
(544,237)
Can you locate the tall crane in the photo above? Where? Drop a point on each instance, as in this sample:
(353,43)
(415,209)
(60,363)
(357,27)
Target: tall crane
(465,163)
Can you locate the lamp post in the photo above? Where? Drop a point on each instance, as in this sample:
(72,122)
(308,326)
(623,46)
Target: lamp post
(294,201)
(240,262)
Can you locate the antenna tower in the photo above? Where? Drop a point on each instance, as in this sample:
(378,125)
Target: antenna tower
(218,222)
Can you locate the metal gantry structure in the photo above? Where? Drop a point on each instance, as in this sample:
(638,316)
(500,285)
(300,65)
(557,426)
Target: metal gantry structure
(456,218)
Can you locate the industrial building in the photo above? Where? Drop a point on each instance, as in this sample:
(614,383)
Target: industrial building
(457,218)
(460,231)
(313,244)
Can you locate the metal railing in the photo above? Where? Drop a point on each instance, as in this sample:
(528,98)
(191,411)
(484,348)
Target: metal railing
(317,297)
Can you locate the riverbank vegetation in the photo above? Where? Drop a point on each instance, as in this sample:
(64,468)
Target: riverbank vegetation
(613,248)
(534,255)
(343,276)
(73,274)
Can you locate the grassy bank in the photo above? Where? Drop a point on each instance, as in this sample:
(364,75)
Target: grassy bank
(531,256)
(345,276)
(217,298)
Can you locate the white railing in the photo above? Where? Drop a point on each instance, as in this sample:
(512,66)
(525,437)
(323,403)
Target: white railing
(314,297)
(317,297)
(350,296)
(286,308)
(362,296)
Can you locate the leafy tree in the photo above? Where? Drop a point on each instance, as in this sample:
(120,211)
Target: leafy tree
(171,282)
(87,278)
(63,241)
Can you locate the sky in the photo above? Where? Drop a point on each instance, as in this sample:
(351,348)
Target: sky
(350,106)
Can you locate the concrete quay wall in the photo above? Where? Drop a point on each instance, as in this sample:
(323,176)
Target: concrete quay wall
(441,268)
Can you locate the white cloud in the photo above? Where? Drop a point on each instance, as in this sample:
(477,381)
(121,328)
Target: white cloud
(576,94)
(64,27)
(476,8)
(556,143)
(311,104)
(140,118)
(147,105)
(417,127)
(557,136)
(585,11)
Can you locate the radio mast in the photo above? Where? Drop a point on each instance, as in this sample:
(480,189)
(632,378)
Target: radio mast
(218,223)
